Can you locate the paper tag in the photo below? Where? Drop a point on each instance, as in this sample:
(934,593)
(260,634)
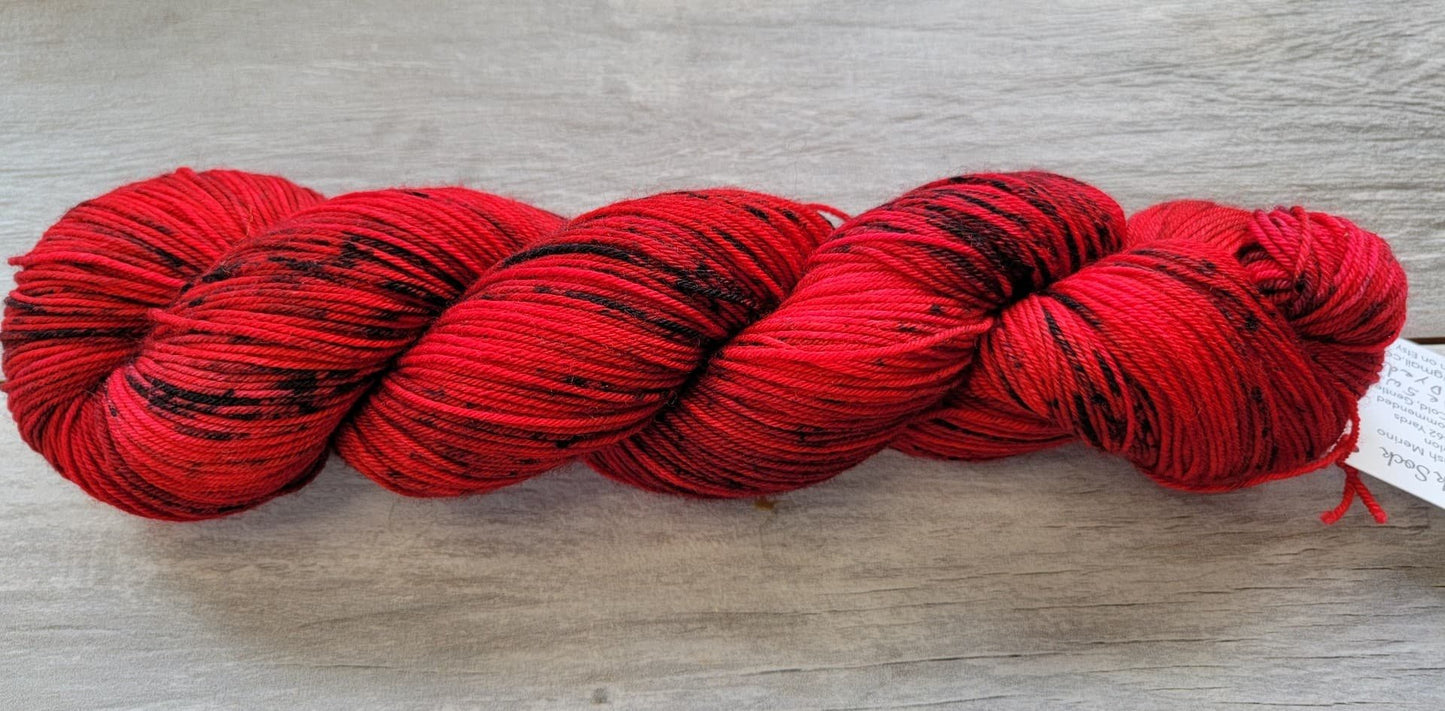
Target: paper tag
(1402,423)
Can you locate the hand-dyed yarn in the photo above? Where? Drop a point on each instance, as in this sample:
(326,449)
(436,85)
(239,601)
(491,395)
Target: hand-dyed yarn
(194,344)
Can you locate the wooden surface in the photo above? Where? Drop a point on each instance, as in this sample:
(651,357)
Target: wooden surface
(1061,580)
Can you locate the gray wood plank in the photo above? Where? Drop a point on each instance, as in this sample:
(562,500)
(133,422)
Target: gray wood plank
(1058,580)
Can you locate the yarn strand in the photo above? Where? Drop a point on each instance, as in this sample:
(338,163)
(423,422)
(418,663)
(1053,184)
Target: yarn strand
(1355,486)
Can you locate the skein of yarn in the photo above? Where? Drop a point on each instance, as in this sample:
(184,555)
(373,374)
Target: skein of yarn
(192,345)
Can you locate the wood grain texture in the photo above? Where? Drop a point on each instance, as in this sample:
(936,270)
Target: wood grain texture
(1059,580)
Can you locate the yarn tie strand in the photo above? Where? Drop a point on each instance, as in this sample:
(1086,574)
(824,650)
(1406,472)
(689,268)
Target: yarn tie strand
(193,345)
(1355,487)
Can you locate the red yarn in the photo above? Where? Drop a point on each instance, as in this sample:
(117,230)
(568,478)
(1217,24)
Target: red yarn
(192,345)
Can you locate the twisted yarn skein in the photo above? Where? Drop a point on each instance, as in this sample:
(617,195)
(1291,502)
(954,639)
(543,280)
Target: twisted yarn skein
(192,345)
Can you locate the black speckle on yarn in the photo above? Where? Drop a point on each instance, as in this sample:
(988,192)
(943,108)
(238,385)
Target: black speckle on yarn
(24,306)
(1086,427)
(1077,308)
(390,314)
(986,238)
(575,380)
(1082,380)
(936,309)
(965,267)
(309,267)
(1108,373)
(665,324)
(303,383)
(218,273)
(1101,238)
(1185,270)
(735,242)
(384,333)
(879,226)
(419,262)
(164,255)
(418,193)
(1145,413)
(56,333)
(1030,194)
(1051,211)
(159,229)
(991,182)
(1118,428)
(349,255)
(347,386)
(952,427)
(210,435)
(594,248)
(1369,314)
(993,209)
(436,301)
(700,283)
(1013,395)
(184,402)
(1251,323)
